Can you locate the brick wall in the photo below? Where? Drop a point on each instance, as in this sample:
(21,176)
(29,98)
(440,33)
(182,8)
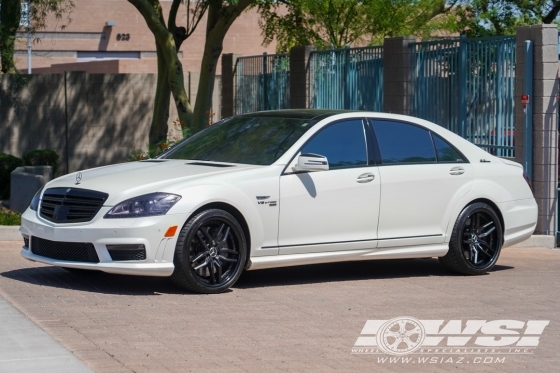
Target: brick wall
(88,32)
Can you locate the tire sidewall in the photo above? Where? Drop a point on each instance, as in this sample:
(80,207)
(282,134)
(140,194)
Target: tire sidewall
(457,240)
(192,227)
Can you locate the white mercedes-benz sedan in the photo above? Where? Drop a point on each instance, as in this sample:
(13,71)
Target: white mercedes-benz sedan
(284,188)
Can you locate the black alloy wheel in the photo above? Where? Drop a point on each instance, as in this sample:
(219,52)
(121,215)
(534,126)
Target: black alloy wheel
(210,253)
(476,241)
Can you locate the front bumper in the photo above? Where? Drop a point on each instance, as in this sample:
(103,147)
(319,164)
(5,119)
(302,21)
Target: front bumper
(148,231)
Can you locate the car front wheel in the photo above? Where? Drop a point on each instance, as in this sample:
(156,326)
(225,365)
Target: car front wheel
(476,241)
(210,254)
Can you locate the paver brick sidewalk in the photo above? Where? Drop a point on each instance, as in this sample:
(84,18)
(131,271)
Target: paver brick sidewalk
(302,319)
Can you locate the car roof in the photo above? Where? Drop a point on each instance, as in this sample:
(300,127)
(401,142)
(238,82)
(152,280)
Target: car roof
(306,114)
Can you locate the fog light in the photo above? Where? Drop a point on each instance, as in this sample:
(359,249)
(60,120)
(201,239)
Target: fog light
(25,241)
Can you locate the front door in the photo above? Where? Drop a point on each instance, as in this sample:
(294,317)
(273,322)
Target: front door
(335,209)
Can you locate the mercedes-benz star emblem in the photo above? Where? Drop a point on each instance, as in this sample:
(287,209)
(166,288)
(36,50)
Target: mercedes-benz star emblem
(78,178)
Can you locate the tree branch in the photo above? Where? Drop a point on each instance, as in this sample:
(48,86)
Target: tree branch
(552,14)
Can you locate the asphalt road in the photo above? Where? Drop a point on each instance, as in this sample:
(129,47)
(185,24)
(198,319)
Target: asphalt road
(301,319)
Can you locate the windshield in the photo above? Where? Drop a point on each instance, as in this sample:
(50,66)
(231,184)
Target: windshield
(258,141)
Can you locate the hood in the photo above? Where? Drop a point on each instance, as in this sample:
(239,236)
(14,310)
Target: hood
(127,180)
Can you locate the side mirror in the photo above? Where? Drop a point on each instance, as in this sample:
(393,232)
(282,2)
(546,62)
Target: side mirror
(311,162)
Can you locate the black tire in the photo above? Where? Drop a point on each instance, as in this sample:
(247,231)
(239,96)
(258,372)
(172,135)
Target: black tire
(476,241)
(210,254)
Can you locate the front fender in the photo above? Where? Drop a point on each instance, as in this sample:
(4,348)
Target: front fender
(196,197)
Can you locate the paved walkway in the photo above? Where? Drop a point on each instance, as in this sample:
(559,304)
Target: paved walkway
(25,347)
(302,319)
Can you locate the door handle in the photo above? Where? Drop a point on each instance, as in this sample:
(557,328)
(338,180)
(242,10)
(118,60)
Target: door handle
(457,171)
(366,178)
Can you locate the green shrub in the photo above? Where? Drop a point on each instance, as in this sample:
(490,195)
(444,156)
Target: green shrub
(46,157)
(8,217)
(8,163)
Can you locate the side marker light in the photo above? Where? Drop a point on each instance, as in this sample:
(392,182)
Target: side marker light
(171,231)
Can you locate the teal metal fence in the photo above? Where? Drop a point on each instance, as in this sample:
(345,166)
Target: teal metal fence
(348,78)
(262,83)
(467,86)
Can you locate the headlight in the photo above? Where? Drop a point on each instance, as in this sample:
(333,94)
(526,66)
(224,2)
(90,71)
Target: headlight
(35,201)
(147,205)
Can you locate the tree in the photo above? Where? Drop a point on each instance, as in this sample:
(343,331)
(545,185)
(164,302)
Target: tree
(221,15)
(168,38)
(336,23)
(501,17)
(10,16)
(10,20)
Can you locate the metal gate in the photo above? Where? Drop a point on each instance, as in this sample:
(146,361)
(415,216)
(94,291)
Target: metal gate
(262,83)
(348,78)
(467,86)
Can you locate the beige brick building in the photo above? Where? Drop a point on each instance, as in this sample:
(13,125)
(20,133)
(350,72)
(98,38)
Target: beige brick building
(89,44)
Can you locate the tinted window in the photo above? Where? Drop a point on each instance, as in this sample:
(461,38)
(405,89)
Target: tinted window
(343,144)
(259,141)
(403,143)
(445,152)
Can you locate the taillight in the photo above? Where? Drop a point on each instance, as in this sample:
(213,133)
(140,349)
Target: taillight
(526,177)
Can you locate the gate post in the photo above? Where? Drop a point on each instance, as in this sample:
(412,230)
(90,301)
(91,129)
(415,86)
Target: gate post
(545,130)
(463,86)
(346,84)
(298,76)
(228,66)
(396,75)
(265,83)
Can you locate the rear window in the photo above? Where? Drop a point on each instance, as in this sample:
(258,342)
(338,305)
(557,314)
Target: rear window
(403,143)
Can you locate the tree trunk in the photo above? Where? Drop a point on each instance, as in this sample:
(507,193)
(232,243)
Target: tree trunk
(170,65)
(158,129)
(220,18)
(10,16)
(203,106)
(176,81)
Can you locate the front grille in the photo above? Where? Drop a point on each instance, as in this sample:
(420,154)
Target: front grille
(69,251)
(71,205)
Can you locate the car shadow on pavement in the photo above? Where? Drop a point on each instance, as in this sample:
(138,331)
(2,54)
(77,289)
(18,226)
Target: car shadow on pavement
(106,283)
(347,271)
(94,281)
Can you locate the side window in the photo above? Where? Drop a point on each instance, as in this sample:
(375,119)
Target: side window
(403,143)
(343,143)
(445,152)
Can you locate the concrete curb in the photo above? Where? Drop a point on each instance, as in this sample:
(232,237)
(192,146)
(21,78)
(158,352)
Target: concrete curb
(10,233)
(538,240)
(26,347)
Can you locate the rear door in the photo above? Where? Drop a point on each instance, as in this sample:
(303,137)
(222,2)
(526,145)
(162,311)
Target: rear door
(423,177)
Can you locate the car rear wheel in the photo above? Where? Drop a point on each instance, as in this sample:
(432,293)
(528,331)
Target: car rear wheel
(476,241)
(210,254)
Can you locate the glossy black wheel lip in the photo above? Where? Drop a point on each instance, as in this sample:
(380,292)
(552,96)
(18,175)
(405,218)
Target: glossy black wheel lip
(494,245)
(232,271)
